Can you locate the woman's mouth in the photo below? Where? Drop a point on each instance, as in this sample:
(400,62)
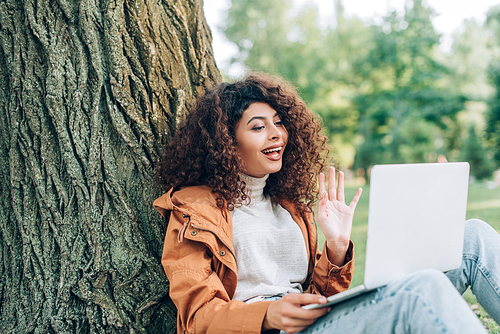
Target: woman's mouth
(273,153)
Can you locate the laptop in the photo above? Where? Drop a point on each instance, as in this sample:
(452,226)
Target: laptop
(416,219)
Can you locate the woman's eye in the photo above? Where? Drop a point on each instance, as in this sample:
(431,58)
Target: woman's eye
(257,128)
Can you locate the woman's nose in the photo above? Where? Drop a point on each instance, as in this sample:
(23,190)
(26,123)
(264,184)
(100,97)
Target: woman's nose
(275,132)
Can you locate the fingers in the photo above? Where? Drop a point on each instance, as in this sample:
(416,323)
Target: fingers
(288,315)
(302,317)
(305,298)
(332,194)
(442,158)
(322,190)
(340,188)
(331,184)
(355,199)
(339,193)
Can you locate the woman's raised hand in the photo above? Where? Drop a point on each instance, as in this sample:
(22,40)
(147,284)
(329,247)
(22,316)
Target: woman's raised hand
(335,217)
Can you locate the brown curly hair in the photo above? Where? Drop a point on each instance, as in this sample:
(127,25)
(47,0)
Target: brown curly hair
(204,151)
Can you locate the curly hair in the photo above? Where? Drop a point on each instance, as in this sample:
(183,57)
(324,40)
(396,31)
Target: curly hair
(204,151)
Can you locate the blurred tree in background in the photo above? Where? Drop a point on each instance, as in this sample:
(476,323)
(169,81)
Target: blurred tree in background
(408,106)
(475,153)
(386,92)
(493,116)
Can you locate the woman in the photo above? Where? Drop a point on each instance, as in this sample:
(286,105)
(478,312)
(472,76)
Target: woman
(240,252)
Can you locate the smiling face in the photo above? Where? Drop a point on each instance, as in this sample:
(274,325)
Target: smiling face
(261,139)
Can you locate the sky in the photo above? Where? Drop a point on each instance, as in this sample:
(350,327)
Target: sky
(449,16)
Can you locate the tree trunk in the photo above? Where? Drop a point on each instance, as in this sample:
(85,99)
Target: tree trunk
(90,90)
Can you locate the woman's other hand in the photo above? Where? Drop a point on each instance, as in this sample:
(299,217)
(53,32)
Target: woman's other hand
(335,217)
(288,315)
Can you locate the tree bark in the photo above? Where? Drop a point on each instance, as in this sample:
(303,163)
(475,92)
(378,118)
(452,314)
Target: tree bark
(90,90)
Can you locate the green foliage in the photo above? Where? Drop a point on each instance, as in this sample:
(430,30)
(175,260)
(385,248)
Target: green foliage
(469,61)
(407,109)
(385,92)
(475,152)
(493,116)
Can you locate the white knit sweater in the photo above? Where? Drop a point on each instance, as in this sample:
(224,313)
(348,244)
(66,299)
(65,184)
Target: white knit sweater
(271,254)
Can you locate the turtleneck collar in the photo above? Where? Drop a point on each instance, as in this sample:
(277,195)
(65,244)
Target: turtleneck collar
(255,185)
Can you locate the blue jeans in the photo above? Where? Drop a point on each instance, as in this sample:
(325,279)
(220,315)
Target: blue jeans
(428,301)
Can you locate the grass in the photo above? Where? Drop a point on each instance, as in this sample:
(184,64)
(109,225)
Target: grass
(490,325)
(483,203)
